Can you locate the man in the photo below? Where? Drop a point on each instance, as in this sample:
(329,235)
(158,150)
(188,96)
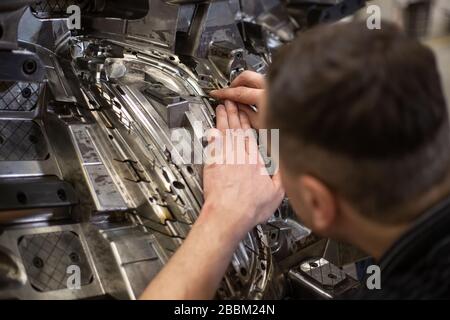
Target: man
(364,158)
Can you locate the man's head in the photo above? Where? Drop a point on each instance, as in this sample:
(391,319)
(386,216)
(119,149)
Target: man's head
(363,125)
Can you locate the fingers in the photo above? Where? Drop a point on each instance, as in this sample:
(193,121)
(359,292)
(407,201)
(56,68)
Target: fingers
(251,115)
(221,118)
(245,122)
(242,95)
(233,115)
(249,79)
(276,179)
(251,146)
(214,138)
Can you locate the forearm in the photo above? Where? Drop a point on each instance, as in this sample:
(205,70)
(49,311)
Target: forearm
(196,269)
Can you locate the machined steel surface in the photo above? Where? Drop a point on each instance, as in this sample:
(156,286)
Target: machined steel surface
(87,154)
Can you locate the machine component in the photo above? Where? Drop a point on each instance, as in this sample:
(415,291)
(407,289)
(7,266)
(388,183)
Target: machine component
(19,96)
(323,278)
(10,13)
(48,256)
(21,140)
(34,193)
(175,107)
(21,66)
(311,12)
(228,59)
(88,144)
(133,9)
(16,64)
(12,273)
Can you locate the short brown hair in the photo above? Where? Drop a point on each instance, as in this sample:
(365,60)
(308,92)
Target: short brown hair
(364,111)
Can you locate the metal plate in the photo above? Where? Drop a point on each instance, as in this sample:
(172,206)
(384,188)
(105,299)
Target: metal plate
(47,256)
(21,65)
(19,96)
(31,193)
(50,8)
(323,272)
(22,140)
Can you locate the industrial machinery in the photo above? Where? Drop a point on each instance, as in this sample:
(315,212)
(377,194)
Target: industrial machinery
(92,201)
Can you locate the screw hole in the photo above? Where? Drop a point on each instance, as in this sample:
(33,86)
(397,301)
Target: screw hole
(22,198)
(74,257)
(29,66)
(26,93)
(62,195)
(178,185)
(33,139)
(166,175)
(188,168)
(204,142)
(38,263)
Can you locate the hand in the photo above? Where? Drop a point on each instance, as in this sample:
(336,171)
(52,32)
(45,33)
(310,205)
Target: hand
(248,89)
(238,196)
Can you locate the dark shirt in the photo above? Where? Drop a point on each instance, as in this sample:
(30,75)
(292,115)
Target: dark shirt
(418,265)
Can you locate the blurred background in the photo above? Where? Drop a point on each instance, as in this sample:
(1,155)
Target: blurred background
(428,20)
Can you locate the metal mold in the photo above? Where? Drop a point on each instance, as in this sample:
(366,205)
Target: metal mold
(88,167)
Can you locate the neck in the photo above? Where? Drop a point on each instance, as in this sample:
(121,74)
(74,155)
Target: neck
(377,239)
(371,237)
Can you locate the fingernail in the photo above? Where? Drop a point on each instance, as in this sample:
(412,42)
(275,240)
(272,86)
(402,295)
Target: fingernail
(213,92)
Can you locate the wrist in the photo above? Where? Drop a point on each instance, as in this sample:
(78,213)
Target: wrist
(219,223)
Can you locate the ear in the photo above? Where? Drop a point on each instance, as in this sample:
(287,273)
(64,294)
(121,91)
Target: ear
(322,203)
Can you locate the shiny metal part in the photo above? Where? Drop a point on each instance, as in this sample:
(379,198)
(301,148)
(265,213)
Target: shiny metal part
(87,150)
(322,278)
